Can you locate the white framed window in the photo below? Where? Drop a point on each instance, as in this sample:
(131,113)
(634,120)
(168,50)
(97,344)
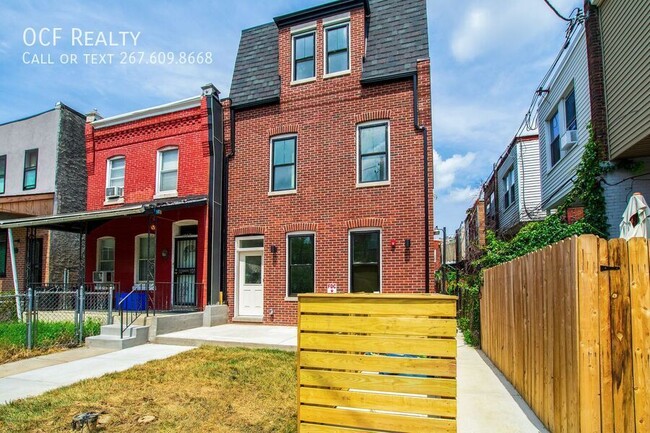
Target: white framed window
(337,49)
(115,174)
(509,185)
(303,56)
(145,258)
(561,127)
(365,260)
(167,172)
(106,254)
(249,243)
(373,153)
(301,260)
(283,175)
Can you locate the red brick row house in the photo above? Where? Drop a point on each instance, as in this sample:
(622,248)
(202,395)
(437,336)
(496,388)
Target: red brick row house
(329,167)
(160,158)
(153,192)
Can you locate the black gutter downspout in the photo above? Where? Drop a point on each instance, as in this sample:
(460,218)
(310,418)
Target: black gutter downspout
(215,143)
(425,148)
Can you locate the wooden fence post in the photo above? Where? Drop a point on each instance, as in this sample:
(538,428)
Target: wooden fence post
(604,296)
(621,332)
(588,334)
(640,315)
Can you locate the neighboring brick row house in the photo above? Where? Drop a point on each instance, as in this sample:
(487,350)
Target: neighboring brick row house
(326,157)
(159,158)
(320,158)
(41,173)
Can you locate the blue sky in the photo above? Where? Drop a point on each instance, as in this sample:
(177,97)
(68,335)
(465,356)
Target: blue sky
(487,56)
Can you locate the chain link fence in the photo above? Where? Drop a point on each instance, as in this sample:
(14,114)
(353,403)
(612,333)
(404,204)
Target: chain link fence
(54,315)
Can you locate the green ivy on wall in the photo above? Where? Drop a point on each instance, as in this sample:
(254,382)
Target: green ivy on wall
(587,191)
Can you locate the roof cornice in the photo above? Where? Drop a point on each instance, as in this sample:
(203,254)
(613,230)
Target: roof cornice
(319,11)
(171,107)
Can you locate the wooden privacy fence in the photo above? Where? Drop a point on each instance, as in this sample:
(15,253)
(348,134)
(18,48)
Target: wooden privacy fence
(376,362)
(569,326)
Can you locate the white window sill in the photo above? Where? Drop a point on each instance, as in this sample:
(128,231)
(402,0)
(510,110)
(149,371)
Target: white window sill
(305,81)
(291,298)
(337,74)
(167,194)
(371,184)
(112,201)
(287,192)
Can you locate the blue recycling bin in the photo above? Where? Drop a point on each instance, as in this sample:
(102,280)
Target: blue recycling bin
(136,302)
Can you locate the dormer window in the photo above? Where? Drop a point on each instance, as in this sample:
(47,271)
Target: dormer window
(303,56)
(337,49)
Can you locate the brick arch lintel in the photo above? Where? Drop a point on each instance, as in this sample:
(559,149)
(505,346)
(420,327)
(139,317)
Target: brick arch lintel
(372,115)
(248,230)
(365,222)
(283,129)
(299,227)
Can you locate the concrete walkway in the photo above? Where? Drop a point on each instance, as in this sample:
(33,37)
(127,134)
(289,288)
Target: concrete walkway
(37,381)
(29,364)
(487,402)
(254,336)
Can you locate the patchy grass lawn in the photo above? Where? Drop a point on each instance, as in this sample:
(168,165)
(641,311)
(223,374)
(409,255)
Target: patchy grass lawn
(208,389)
(50,337)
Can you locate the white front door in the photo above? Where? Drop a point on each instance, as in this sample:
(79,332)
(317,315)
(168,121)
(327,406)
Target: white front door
(250,292)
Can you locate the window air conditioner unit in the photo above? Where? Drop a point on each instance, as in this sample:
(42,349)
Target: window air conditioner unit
(102,277)
(114,192)
(99,277)
(569,139)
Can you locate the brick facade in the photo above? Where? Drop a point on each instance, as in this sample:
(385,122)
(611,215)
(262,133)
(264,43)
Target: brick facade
(475,226)
(324,115)
(20,246)
(596,75)
(139,141)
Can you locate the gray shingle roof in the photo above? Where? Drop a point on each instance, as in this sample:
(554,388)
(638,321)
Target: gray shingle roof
(255,78)
(397,38)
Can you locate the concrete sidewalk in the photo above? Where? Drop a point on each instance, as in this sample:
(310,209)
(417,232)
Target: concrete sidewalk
(487,402)
(39,380)
(241,335)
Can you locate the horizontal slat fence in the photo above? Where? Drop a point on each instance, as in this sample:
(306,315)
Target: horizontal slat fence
(569,326)
(376,362)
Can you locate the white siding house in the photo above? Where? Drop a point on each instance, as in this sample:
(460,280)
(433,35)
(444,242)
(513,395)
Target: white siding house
(518,184)
(563,116)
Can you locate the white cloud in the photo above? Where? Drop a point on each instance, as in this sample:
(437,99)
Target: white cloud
(503,25)
(462,195)
(446,170)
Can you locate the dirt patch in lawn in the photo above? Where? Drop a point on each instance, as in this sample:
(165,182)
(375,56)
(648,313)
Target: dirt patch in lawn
(207,389)
(16,353)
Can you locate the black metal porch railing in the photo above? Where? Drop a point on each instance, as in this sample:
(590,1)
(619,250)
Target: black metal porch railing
(180,296)
(134,304)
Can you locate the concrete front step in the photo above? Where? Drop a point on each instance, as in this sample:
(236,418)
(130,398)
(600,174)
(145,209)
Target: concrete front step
(109,338)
